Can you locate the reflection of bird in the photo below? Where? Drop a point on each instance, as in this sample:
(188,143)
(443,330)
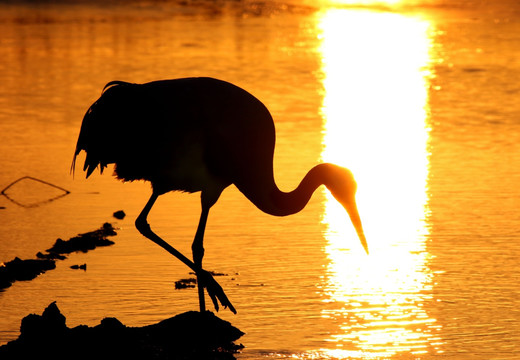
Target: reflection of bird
(198,134)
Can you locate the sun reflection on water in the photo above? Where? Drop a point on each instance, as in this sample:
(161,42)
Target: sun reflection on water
(376,80)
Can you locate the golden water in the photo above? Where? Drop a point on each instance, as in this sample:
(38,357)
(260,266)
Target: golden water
(419,99)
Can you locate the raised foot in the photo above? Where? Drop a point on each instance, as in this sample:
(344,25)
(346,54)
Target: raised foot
(215,291)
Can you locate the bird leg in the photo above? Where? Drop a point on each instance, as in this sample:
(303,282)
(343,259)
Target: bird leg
(198,253)
(214,289)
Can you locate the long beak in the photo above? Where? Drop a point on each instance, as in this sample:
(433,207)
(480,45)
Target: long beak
(356,221)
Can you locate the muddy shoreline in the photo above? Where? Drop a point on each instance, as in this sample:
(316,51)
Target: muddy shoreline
(190,335)
(28,269)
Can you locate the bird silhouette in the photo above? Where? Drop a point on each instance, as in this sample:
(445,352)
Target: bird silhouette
(198,134)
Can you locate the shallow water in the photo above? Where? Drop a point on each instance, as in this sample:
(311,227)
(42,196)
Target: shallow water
(420,100)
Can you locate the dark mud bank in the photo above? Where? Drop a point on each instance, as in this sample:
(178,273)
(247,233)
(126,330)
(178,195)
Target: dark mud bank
(18,269)
(191,335)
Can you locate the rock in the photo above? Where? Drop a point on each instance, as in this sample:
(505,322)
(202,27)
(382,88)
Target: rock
(84,242)
(50,324)
(18,269)
(191,335)
(52,256)
(185,283)
(119,214)
(79,267)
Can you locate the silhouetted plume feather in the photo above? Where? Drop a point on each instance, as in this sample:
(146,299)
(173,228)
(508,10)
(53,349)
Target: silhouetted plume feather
(98,130)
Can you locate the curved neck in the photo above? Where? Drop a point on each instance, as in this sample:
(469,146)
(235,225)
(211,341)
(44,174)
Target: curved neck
(273,201)
(264,193)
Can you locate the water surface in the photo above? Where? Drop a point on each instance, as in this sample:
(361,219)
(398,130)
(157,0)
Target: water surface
(419,99)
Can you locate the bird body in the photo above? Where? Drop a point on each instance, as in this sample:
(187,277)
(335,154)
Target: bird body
(198,134)
(166,132)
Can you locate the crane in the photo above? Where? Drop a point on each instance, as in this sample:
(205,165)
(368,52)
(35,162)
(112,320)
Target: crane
(198,135)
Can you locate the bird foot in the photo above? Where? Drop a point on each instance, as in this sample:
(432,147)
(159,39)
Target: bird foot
(215,291)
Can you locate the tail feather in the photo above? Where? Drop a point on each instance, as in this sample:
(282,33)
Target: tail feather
(90,165)
(73,165)
(97,130)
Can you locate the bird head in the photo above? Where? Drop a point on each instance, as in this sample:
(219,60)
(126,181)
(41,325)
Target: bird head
(342,186)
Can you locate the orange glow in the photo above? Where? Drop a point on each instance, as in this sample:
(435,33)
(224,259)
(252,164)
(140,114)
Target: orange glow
(365,2)
(375,107)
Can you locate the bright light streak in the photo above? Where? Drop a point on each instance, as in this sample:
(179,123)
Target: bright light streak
(376,82)
(364,2)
